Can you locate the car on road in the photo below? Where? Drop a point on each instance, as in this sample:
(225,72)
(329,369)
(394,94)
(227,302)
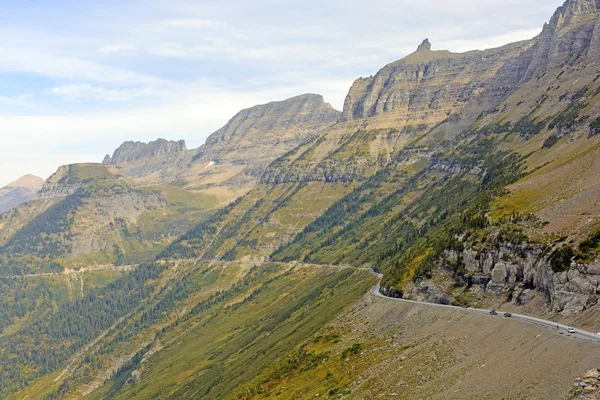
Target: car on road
(507,314)
(571,330)
(493,312)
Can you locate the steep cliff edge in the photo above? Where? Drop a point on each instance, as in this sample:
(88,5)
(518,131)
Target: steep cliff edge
(427,86)
(160,160)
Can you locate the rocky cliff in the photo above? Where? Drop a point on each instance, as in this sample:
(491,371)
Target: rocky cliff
(19,192)
(130,152)
(426,87)
(573,32)
(160,160)
(518,272)
(266,131)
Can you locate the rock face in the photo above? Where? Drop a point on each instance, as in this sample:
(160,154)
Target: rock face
(308,110)
(430,293)
(573,32)
(161,159)
(424,46)
(588,386)
(130,152)
(19,192)
(517,269)
(264,132)
(60,184)
(428,86)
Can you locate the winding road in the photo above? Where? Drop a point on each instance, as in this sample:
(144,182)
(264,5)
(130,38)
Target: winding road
(562,329)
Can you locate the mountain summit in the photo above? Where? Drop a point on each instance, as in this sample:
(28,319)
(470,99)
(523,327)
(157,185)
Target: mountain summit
(424,46)
(20,191)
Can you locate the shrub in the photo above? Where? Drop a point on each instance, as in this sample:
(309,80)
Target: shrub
(551,141)
(354,349)
(560,259)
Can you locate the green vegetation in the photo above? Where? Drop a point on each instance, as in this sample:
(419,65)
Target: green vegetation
(528,126)
(223,342)
(568,117)
(551,141)
(560,258)
(595,124)
(356,348)
(34,247)
(42,345)
(589,246)
(402,236)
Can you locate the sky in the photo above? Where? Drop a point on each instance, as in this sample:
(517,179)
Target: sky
(78,78)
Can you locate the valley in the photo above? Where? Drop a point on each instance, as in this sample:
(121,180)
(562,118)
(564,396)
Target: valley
(307,252)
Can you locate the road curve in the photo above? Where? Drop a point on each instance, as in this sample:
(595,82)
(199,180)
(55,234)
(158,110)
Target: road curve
(562,329)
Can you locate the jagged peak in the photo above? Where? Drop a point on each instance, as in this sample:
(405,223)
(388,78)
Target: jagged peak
(425,46)
(571,9)
(131,150)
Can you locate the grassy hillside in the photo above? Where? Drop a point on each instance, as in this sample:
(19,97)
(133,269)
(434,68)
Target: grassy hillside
(190,321)
(90,215)
(385,349)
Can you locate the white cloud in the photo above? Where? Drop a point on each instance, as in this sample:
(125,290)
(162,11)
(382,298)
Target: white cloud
(120,49)
(461,45)
(190,23)
(40,63)
(86,93)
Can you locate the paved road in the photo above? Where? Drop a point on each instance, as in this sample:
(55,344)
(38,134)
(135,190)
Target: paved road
(562,329)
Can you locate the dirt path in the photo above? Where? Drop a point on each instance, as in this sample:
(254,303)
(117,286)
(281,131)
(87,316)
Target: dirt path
(67,271)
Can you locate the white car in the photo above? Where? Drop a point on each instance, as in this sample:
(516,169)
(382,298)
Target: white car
(571,330)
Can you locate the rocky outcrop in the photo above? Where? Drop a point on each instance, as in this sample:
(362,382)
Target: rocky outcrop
(19,192)
(325,171)
(104,217)
(131,152)
(62,183)
(426,45)
(588,386)
(428,292)
(308,110)
(161,160)
(516,270)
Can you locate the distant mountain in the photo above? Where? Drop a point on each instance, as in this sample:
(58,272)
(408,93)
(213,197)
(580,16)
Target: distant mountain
(236,154)
(20,191)
(131,206)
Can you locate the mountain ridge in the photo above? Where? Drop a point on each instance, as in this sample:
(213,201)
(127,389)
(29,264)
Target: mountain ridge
(468,179)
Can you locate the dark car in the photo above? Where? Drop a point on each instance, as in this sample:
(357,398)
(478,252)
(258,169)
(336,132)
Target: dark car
(507,314)
(493,312)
